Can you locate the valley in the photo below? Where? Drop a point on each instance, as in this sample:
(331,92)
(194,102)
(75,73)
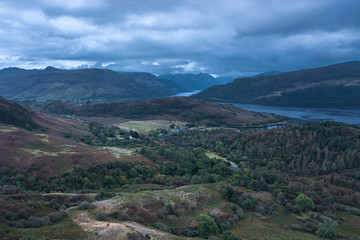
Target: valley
(148,171)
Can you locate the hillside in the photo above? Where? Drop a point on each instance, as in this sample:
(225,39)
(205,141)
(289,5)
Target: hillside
(175,108)
(82,84)
(13,114)
(250,184)
(41,145)
(196,81)
(335,85)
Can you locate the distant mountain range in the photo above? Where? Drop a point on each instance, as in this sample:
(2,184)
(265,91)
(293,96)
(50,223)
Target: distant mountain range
(173,108)
(330,86)
(82,84)
(198,81)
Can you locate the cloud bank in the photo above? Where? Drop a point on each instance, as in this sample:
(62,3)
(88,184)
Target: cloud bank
(228,37)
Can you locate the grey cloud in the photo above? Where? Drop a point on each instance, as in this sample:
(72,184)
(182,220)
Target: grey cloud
(221,37)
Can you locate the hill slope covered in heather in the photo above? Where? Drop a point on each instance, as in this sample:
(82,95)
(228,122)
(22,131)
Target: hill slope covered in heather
(174,108)
(82,84)
(335,85)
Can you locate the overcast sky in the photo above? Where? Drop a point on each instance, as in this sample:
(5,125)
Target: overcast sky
(223,37)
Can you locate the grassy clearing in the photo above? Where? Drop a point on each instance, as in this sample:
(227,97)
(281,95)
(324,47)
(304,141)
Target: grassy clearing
(66,229)
(214,155)
(139,126)
(117,150)
(350,226)
(274,227)
(148,125)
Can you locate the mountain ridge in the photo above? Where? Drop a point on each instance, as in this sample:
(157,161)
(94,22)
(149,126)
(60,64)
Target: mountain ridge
(171,108)
(81,84)
(332,85)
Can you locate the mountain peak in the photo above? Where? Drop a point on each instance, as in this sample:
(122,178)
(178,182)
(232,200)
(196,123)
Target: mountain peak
(50,68)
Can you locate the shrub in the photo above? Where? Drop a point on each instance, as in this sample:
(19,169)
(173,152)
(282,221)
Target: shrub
(195,179)
(20,224)
(100,216)
(175,230)
(57,216)
(33,222)
(22,214)
(225,226)
(207,226)
(304,203)
(162,212)
(44,221)
(161,226)
(189,231)
(86,206)
(227,235)
(123,217)
(171,210)
(240,213)
(9,215)
(326,230)
(139,219)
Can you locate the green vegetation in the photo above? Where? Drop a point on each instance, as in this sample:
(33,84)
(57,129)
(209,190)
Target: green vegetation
(296,182)
(304,203)
(207,226)
(183,109)
(327,230)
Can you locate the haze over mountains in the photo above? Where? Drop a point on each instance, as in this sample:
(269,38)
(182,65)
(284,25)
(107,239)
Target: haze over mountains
(335,85)
(198,81)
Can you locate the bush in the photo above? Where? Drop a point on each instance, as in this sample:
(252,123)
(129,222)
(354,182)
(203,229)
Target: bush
(162,213)
(225,226)
(304,203)
(240,213)
(161,226)
(22,214)
(196,179)
(207,226)
(326,230)
(189,231)
(139,219)
(175,230)
(34,222)
(227,235)
(57,216)
(100,216)
(44,221)
(171,210)
(9,215)
(123,217)
(86,206)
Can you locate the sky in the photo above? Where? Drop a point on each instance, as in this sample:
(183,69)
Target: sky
(221,37)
